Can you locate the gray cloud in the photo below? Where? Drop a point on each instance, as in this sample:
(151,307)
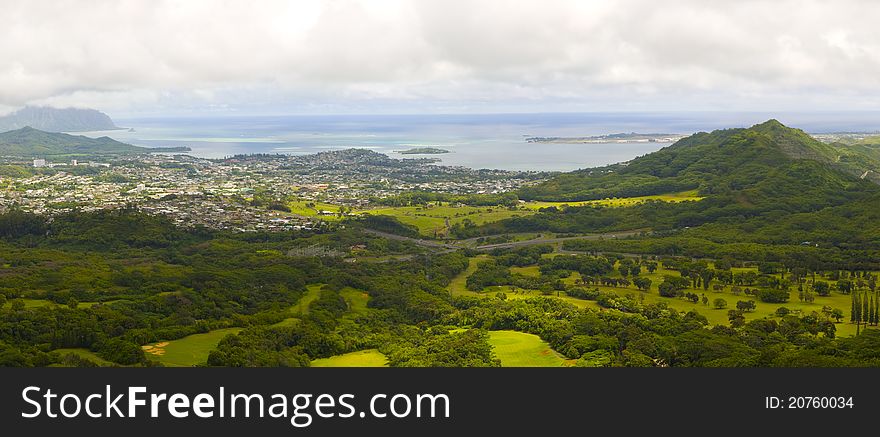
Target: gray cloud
(374,55)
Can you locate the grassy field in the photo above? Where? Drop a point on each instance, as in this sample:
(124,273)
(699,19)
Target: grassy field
(433,220)
(715,316)
(87,354)
(458,285)
(301,207)
(683,196)
(719,316)
(526,271)
(187,351)
(38,303)
(364,358)
(357,299)
(302,306)
(518,349)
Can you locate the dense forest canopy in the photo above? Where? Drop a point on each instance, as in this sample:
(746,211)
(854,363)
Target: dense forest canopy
(781,223)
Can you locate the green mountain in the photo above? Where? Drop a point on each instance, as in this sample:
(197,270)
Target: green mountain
(29,142)
(768,183)
(57,120)
(862,158)
(760,157)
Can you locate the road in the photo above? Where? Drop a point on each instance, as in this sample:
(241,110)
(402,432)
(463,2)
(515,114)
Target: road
(448,247)
(417,241)
(539,241)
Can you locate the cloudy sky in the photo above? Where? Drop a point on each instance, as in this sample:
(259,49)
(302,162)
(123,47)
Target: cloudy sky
(347,56)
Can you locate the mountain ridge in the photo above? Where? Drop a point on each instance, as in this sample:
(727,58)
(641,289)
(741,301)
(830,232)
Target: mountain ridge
(50,119)
(707,161)
(30,142)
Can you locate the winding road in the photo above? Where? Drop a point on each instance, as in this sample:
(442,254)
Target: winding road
(448,247)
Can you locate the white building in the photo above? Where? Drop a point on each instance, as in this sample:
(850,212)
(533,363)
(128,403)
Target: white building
(39,162)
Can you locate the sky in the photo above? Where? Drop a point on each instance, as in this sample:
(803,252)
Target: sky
(149,57)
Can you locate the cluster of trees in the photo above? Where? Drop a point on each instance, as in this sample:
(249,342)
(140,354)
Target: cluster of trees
(520,257)
(167,283)
(657,335)
(421,198)
(141,279)
(865,309)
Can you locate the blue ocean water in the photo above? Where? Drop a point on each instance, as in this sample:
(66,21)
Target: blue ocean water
(476,140)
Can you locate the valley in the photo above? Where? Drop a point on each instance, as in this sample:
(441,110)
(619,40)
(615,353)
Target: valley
(739,247)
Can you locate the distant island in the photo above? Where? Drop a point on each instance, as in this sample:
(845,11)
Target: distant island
(57,120)
(30,142)
(610,138)
(423,151)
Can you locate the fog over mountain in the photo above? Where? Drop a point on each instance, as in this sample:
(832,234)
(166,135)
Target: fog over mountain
(149,57)
(57,120)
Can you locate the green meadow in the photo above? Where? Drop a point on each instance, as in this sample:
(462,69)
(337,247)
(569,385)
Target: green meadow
(187,351)
(364,358)
(433,220)
(86,354)
(518,349)
(714,316)
(621,202)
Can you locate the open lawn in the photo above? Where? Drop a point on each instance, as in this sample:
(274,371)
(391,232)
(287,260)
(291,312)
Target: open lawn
(683,196)
(38,303)
(187,351)
(364,358)
(302,306)
(458,285)
(87,354)
(763,310)
(518,349)
(314,209)
(356,299)
(719,316)
(714,316)
(433,220)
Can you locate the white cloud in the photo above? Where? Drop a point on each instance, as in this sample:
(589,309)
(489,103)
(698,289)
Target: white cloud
(375,55)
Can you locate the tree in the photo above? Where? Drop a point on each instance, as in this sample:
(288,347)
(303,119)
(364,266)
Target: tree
(736,317)
(707,276)
(837,314)
(643,284)
(672,285)
(72,303)
(17,305)
(635,270)
(782,311)
(705,300)
(822,288)
(770,295)
(746,305)
(719,303)
(809,296)
(855,309)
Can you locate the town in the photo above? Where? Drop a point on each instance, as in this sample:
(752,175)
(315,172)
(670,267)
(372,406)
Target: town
(240,193)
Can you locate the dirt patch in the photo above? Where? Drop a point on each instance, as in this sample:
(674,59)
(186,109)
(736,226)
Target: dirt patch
(157,349)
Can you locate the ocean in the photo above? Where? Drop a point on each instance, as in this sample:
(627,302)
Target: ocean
(475,140)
